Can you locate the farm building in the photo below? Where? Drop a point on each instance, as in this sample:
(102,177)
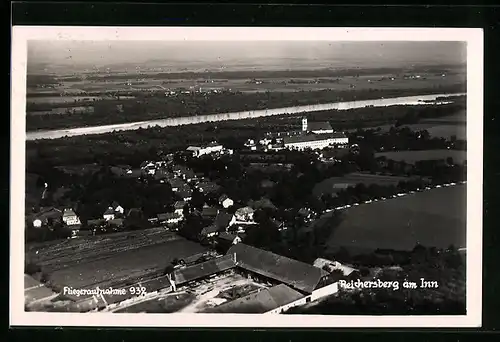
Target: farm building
(198,151)
(331,266)
(184,276)
(261,301)
(274,268)
(169,218)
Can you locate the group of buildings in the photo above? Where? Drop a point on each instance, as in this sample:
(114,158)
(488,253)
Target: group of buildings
(313,135)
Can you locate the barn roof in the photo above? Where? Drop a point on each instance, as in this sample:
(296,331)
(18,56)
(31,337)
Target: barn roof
(204,269)
(261,301)
(294,273)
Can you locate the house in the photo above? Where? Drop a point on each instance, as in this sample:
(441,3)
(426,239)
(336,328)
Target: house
(331,266)
(305,212)
(228,239)
(169,218)
(185,195)
(176,184)
(244,214)
(179,207)
(224,220)
(133,173)
(118,209)
(274,268)
(279,224)
(209,231)
(209,212)
(263,203)
(225,201)
(189,175)
(46,217)
(198,151)
(109,214)
(207,187)
(70,218)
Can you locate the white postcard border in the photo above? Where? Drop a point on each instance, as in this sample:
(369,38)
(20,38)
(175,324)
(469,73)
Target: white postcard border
(474,39)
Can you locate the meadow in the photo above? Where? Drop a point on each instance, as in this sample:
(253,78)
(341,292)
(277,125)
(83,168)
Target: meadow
(433,218)
(413,156)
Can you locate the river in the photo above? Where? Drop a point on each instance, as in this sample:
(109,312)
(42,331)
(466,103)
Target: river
(383,102)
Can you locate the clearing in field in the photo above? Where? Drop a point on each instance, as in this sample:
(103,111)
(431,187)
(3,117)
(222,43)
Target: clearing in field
(413,156)
(433,218)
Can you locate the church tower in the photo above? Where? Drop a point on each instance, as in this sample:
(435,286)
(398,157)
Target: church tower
(304,124)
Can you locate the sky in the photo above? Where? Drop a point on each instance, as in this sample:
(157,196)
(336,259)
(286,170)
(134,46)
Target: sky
(177,55)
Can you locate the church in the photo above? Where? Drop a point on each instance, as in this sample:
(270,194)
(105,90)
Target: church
(316,136)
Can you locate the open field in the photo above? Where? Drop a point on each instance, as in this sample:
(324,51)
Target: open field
(440,127)
(110,260)
(435,217)
(412,156)
(335,184)
(388,81)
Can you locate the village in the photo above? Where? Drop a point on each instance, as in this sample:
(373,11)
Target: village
(233,268)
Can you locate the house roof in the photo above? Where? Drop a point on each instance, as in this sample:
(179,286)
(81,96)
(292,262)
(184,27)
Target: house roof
(294,273)
(210,229)
(49,212)
(204,269)
(68,212)
(208,186)
(209,211)
(333,265)
(262,203)
(227,236)
(109,211)
(306,137)
(179,204)
(261,301)
(319,126)
(167,216)
(222,219)
(244,211)
(185,194)
(115,205)
(223,198)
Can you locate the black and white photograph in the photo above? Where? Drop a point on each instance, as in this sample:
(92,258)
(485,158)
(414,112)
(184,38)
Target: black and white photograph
(213,175)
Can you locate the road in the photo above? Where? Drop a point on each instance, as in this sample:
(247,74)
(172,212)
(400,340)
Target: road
(383,102)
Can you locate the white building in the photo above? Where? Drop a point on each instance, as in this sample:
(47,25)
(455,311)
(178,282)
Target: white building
(70,218)
(315,141)
(109,214)
(225,201)
(198,151)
